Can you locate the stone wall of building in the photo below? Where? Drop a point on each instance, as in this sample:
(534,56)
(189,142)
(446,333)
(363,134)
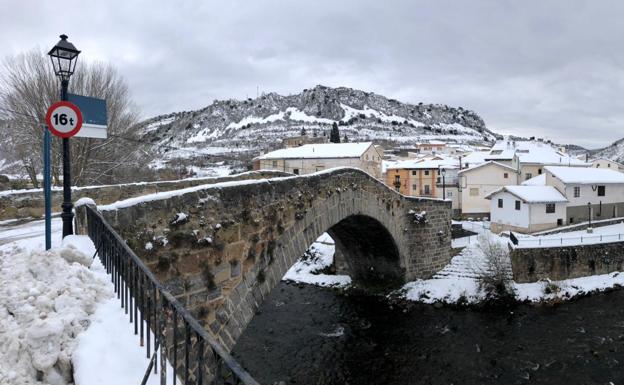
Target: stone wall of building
(29,203)
(558,263)
(221,249)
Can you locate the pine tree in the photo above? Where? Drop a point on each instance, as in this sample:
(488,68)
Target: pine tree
(334,135)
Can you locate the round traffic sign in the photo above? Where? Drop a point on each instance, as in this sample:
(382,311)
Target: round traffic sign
(64,119)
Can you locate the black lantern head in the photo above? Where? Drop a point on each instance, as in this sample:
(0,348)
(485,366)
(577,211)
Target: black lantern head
(64,57)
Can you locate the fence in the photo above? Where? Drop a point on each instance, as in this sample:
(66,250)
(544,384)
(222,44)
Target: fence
(195,357)
(530,242)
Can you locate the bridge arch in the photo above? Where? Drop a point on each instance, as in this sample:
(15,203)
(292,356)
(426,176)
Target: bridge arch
(235,241)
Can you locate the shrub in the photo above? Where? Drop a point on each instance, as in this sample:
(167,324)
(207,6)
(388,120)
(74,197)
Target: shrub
(494,274)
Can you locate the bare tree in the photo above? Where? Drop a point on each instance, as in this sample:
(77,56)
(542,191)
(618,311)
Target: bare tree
(494,271)
(28,86)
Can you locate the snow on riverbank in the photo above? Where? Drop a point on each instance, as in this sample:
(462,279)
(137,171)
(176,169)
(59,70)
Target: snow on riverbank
(458,282)
(46,299)
(318,257)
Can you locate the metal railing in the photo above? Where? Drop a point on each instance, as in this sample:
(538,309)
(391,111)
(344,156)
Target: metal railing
(550,241)
(194,355)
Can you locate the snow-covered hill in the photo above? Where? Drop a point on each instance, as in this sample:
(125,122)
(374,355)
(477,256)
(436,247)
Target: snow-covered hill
(614,152)
(259,124)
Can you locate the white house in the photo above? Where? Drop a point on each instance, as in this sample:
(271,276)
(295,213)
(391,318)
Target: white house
(526,209)
(310,158)
(599,191)
(607,163)
(477,182)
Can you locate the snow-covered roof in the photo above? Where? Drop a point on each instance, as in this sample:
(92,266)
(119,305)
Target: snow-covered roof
(485,164)
(593,161)
(539,180)
(532,194)
(424,163)
(585,175)
(532,152)
(475,157)
(324,150)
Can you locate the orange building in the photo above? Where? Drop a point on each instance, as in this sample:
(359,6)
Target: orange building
(419,182)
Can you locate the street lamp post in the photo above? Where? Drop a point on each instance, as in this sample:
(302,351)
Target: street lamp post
(443,171)
(64,57)
(589,213)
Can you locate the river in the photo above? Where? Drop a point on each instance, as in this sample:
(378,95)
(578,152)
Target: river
(310,335)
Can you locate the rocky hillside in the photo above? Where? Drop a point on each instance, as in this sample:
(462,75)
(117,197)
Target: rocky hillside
(259,124)
(614,152)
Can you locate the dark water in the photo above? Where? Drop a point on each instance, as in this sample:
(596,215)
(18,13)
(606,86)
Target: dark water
(310,335)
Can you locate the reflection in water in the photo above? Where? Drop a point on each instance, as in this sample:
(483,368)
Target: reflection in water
(320,336)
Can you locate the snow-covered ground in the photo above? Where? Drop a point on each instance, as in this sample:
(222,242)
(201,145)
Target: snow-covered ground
(459,280)
(58,312)
(46,299)
(604,234)
(319,256)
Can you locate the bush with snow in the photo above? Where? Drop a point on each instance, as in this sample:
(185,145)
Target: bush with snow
(495,278)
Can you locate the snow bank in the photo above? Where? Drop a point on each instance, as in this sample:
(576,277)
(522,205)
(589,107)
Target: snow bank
(46,299)
(319,256)
(459,280)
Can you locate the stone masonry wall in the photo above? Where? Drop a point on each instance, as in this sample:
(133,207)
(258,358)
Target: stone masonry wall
(558,263)
(24,204)
(220,250)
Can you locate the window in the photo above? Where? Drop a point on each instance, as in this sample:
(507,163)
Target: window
(367,157)
(517,205)
(474,192)
(550,208)
(506,175)
(577,191)
(397,179)
(274,163)
(539,171)
(427,192)
(414,187)
(601,191)
(414,173)
(608,164)
(571,220)
(559,222)
(426,172)
(500,203)
(296,171)
(320,168)
(528,176)
(449,194)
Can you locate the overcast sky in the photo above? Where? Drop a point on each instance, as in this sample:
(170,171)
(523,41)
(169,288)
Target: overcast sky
(530,68)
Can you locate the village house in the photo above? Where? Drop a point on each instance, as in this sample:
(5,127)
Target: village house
(526,208)
(434,177)
(531,157)
(560,196)
(311,158)
(296,141)
(590,191)
(607,163)
(477,182)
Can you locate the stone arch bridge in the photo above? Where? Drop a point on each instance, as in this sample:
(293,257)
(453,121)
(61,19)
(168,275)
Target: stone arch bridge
(221,248)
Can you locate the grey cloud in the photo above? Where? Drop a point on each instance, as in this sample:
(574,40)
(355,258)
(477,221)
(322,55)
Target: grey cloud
(551,69)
